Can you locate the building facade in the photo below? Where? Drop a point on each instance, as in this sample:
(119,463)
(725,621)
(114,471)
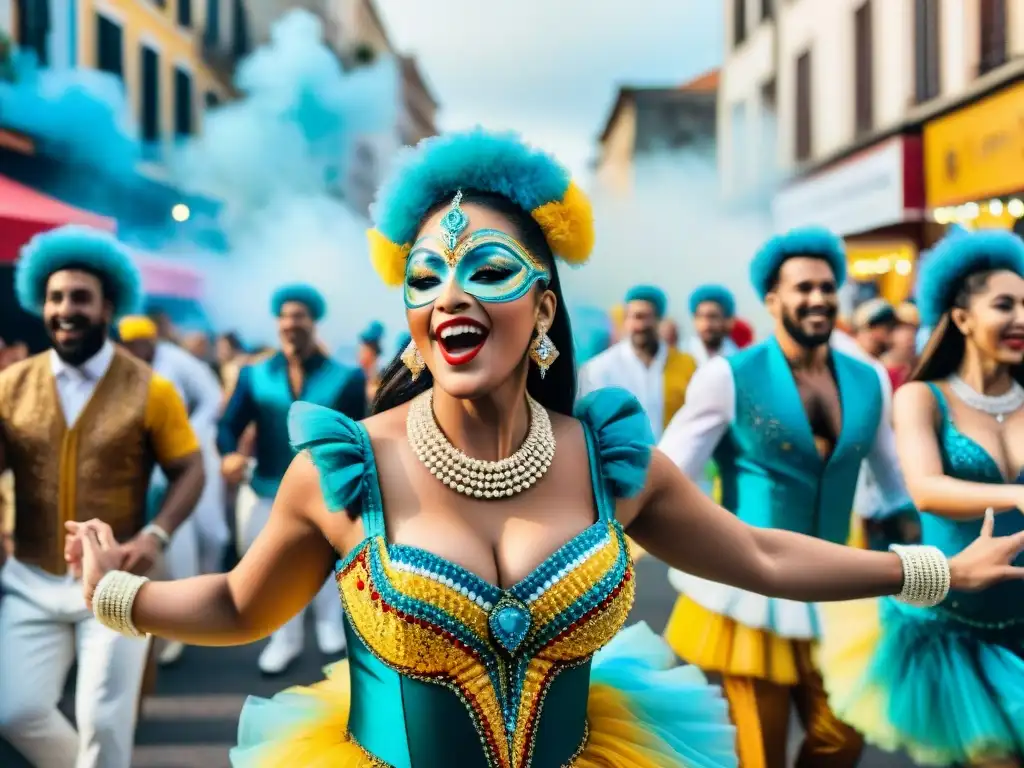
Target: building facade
(657,207)
(887,118)
(355,31)
(174,57)
(648,120)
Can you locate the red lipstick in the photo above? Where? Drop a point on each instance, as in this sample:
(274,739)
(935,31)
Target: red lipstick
(463,342)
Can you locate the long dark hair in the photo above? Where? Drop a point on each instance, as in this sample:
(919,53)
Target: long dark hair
(944,351)
(557,390)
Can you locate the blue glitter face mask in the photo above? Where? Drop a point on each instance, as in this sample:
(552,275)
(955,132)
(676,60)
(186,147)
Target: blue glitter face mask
(489,265)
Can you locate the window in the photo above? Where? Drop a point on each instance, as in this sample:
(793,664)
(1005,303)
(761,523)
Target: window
(739,21)
(803,132)
(767,9)
(109,46)
(239,29)
(150,97)
(185,13)
(993,35)
(863,68)
(182,102)
(927,83)
(768,96)
(33,29)
(212,33)
(211,99)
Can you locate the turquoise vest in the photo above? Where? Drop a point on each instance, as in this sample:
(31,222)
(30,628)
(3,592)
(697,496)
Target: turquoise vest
(772,474)
(263,396)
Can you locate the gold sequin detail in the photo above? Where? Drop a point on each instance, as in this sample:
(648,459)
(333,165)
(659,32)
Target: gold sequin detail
(415,647)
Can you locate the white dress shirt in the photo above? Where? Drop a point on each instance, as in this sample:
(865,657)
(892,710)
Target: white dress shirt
(700,353)
(869,501)
(620,366)
(75,384)
(196,383)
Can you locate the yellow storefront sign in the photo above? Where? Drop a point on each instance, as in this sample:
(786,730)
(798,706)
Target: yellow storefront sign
(976,152)
(890,265)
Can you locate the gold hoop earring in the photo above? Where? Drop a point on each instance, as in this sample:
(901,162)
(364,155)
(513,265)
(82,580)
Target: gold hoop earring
(413,360)
(543,351)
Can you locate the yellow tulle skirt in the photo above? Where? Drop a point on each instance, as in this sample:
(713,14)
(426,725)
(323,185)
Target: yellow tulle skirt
(717,643)
(643,711)
(615,740)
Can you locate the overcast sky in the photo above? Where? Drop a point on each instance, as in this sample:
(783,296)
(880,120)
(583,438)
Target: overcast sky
(550,68)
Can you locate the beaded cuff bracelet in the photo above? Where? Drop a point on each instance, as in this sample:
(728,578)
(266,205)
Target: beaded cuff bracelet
(925,575)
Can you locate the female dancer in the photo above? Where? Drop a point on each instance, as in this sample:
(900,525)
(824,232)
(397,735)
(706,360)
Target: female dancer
(480,578)
(947,683)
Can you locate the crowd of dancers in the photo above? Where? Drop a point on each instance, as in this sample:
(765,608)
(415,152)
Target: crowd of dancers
(839,507)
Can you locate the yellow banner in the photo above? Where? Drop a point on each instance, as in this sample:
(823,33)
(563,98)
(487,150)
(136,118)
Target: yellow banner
(976,152)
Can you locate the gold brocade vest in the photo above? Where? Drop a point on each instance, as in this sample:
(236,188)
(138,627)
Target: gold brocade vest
(99,468)
(679,369)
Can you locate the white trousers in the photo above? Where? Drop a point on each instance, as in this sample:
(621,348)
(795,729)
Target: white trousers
(182,556)
(209,535)
(44,626)
(253,514)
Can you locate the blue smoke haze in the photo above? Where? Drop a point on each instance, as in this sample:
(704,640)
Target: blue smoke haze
(276,159)
(673,228)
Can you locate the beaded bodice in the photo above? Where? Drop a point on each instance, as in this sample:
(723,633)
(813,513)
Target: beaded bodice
(501,653)
(963,458)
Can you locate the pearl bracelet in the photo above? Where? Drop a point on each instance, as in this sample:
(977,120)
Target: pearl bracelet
(925,575)
(113,599)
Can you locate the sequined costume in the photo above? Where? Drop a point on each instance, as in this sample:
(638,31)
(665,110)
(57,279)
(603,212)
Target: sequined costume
(446,669)
(945,684)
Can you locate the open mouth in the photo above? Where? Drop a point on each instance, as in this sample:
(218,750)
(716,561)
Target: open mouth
(460,340)
(68,330)
(1014,340)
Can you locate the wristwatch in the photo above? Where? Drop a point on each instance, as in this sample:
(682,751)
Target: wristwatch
(158,533)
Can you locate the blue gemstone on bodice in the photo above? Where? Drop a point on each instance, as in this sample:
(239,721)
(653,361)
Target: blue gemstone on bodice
(510,623)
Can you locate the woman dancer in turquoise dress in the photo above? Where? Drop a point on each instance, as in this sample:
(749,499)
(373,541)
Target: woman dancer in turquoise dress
(947,683)
(476,523)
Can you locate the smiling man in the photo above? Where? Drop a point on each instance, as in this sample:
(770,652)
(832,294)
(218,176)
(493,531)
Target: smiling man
(654,372)
(81,428)
(264,393)
(788,422)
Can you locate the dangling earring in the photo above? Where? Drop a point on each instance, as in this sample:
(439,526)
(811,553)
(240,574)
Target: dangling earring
(543,351)
(413,360)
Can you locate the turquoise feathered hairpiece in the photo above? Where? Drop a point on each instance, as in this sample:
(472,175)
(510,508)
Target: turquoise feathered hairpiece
(479,160)
(303,294)
(816,242)
(651,294)
(718,294)
(373,333)
(957,256)
(91,250)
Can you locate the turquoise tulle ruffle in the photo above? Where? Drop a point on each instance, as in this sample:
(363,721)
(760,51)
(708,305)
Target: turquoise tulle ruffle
(952,695)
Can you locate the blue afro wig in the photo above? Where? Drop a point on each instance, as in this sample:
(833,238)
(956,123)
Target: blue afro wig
(78,247)
(815,242)
(718,294)
(957,256)
(473,160)
(373,333)
(303,294)
(651,294)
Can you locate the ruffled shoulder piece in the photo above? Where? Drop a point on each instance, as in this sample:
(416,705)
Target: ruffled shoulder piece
(622,431)
(338,447)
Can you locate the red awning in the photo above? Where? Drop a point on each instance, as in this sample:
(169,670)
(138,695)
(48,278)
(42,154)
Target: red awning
(24,212)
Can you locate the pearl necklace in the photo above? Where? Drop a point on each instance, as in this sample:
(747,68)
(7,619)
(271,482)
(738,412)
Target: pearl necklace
(476,477)
(999,406)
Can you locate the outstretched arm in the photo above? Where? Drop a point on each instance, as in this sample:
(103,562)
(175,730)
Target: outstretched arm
(916,414)
(678,524)
(279,575)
